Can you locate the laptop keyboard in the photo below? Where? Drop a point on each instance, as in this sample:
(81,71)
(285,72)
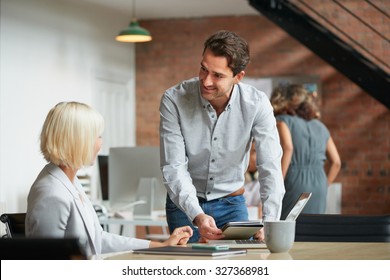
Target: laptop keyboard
(249,241)
(241,243)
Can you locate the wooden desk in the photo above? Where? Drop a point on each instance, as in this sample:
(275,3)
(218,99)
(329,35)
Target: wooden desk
(300,251)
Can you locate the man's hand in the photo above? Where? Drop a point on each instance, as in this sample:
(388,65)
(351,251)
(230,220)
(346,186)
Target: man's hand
(207,227)
(259,235)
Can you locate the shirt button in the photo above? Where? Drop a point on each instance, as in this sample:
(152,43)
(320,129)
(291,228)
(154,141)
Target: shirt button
(211,179)
(208,192)
(215,138)
(212,116)
(213,160)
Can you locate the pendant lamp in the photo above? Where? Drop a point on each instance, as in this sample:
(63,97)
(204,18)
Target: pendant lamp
(134,33)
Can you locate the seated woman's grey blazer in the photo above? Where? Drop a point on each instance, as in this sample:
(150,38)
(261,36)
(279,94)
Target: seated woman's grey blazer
(56,208)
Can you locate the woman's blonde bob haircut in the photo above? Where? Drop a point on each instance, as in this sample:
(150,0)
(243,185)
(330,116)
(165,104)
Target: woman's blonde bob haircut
(69,134)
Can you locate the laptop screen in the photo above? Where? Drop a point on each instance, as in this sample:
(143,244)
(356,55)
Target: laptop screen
(298,207)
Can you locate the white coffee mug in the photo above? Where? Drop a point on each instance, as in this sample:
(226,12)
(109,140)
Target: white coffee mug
(279,235)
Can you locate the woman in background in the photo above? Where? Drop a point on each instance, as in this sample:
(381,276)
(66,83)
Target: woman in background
(252,184)
(57,204)
(306,144)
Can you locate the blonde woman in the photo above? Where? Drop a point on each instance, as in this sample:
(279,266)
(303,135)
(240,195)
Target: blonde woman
(306,144)
(57,205)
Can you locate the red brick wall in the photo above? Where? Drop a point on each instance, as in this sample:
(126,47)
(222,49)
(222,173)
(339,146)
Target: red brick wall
(359,124)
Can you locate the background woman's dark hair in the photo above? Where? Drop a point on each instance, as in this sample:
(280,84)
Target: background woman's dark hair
(230,45)
(294,100)
(307,110)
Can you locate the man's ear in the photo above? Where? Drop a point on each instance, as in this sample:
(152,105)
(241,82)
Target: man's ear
(239,77)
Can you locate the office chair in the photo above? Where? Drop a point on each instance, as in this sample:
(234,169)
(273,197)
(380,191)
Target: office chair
(342,228)
(14,224)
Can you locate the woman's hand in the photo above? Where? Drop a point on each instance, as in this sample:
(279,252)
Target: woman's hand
(179,236)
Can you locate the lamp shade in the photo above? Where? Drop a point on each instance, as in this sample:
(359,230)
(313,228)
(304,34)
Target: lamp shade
(134,33)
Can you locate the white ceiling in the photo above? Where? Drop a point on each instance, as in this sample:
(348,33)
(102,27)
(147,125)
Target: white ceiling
(163,9)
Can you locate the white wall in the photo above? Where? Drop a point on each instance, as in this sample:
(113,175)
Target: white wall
(333,199)
(49,52)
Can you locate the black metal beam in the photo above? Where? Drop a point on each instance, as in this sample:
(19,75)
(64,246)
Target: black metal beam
(371,78)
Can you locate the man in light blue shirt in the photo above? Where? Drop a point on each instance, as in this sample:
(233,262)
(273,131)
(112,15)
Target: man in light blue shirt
(207,126)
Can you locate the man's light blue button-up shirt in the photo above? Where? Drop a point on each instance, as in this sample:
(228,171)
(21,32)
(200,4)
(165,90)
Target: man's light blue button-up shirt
(203,155)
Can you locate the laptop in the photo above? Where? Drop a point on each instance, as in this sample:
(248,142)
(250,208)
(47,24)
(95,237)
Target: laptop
(189,251)
(256,244)
(240,243)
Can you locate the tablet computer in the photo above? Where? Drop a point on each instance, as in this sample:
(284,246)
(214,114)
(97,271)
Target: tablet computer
(241,230)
